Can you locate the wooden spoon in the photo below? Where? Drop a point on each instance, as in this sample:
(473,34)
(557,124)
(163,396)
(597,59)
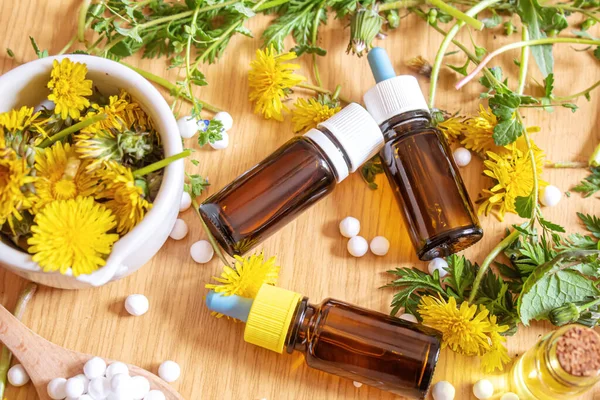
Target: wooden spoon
(45,361)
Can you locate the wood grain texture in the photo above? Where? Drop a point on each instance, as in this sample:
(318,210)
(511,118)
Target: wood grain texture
(215,361)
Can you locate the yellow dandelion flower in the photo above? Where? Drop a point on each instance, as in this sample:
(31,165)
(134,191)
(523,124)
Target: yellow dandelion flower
(69,88)
(497,356)
(133,115)
(98,147)
(463,329)
(451,128)
(114,110)
(18,120)
(60,175)
(308,114)
(72,234)
(125,199)
(513,177)
(271,80)
(14,174)
(246,276)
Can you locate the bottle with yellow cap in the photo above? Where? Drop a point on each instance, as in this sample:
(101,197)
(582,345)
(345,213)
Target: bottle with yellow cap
(336,337)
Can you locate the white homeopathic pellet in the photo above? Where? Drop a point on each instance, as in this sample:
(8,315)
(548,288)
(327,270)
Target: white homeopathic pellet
(56,388)
(349,227)
(180,230)
(137,304)
(551,196)
(186,201)
(155,395)
(483,389)
(357,384)
(115,368)
(169,371)
(140,387)
(202,251)
(509,396)
(438,264)
(74,387)
(408,317)
(462,157)
(95,367)
(380,246)
(99,388)
(84,380)
(443,390)
(188,127)
(225,118)
(358,246)
(17,376)
(221,144)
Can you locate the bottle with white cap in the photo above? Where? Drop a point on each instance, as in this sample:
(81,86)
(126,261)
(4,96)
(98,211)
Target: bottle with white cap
(419,165)
(304,170)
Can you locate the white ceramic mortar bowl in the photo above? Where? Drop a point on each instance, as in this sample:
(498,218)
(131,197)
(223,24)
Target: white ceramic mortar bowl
(26,86)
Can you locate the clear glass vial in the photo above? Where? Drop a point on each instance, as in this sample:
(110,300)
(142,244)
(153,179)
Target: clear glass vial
(419,165)
(563,365)
(301,172)
(339,338)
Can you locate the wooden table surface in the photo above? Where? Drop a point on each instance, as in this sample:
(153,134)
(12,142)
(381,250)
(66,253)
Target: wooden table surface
(216,363)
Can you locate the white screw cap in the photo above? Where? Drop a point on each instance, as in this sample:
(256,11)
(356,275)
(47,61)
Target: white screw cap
(393,97)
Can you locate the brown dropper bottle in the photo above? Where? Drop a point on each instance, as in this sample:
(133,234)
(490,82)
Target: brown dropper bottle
(339,338)
(419,165)
(304,170)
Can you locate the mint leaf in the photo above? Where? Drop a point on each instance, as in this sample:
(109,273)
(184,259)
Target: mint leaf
(552,284)
(591,222)
(532,15)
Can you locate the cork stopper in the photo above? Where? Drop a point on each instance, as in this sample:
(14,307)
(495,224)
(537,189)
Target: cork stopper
(578,351)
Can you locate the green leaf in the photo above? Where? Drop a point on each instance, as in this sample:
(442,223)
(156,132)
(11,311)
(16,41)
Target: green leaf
(10,53)
(308,49)
(492,22)
(461,70)
(240,8)
(549,85)
(244,31)
(551,226)
(121,49)
(38,52)
(497,72)
(591,222)
(571,106)
(197,78)
(195,162)
(590,184)
(132,32)
(196,185)
(212,133)
(412,284)
(531,12)
(597,53)
(504,106)
(461,274)
(370,170)
(524,205)
(552,284)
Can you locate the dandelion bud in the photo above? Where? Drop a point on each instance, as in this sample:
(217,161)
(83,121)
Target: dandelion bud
(365,25)
(420,65)
(393,19)
(564,314)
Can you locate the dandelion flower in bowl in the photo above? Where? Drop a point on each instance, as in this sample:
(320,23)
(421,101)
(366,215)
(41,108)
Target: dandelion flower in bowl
(13,176)
(72,234)
(69,88)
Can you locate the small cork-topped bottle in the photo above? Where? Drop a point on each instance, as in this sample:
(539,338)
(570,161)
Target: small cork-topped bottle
(419,165)
(301,172)
(339,338)
(562,365)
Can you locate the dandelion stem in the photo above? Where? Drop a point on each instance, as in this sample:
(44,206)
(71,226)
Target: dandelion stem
(72,129)
(456,13)
(523,63)
(516,45)
(161,164)
(315,30)
(576,95)
(399,4)
(171,87)
(81,22)
(188,70)
(575,9)
(5,354)
(507,241)
(211,238)
(567,164)
(435,70)
(322,90)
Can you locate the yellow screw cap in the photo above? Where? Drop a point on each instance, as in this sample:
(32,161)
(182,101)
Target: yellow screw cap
(270,317)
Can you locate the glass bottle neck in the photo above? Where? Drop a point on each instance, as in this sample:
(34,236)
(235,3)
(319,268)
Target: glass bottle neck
(300,330)
(404,123)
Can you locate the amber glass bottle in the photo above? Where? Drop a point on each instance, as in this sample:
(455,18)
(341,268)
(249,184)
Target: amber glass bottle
(301,172)
(339,338)
(420,166)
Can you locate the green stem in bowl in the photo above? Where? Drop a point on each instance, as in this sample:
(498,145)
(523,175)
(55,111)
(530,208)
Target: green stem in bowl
(5,354)
(161,164)
(72,129)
